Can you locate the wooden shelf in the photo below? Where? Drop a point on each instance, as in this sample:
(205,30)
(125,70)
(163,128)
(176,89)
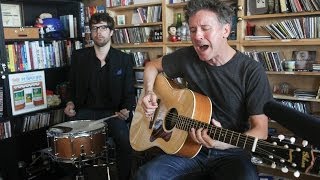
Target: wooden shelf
(280,15)
(179,44)
(138,25)
(294,73)
(288,97)
(134,6)
(281,42)
(139,45)
(176,5)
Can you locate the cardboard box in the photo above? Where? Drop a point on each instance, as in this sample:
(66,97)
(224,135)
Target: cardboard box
(21,33)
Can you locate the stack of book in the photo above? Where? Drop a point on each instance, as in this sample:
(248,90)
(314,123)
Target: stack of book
(316,67)
(257,38)
(301,93)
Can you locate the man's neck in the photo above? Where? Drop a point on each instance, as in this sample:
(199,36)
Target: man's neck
(102,52)
(223,58)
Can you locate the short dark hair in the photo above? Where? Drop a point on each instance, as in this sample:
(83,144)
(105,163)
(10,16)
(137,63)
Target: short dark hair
(223,11)
(102,17)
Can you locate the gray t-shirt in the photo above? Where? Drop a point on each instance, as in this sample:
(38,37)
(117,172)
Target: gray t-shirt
(237,89)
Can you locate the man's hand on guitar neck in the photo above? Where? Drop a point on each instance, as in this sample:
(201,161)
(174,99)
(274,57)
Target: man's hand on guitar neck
(201,136)
(149,103)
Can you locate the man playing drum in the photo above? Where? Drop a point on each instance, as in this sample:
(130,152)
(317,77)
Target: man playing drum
(101,85)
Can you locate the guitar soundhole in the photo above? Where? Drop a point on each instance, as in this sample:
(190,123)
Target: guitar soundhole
(171,119)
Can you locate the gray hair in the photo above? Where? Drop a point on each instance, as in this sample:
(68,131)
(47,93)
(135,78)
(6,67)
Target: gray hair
(222,10)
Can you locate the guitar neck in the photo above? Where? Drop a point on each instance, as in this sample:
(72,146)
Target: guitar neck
(217,133)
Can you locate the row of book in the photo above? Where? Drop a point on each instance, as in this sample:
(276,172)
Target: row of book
(114,3)
(271,61)
(133,35)
(297,105)
(69,23)
(1,101)
(5,130)
(302,5)
(39,120)
(140,57)
(301,93)
(32,122)
(150,14)
(177,1)
(281,6)
(297,28)
(316,67)
(30,55)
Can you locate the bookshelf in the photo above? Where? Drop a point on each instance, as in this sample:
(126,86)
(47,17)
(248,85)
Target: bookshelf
(297,80)
(307,80)
(27,132)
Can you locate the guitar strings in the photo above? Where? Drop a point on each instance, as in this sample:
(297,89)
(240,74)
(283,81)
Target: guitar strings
(186,123)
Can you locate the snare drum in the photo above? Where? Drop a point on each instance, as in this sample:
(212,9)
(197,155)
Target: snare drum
(70,140)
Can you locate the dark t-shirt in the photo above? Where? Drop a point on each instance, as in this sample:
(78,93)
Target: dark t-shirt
(237,89)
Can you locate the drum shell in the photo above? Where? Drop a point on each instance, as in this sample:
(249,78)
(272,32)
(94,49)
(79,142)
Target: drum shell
(68,147)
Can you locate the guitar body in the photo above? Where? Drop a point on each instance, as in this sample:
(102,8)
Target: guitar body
(161,131)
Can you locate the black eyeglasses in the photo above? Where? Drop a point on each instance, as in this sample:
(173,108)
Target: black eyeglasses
(102,28)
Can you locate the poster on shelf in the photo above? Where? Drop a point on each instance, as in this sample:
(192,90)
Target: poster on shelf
(11,15)
(27,92)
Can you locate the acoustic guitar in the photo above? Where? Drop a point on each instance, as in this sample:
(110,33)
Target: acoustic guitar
(180,109)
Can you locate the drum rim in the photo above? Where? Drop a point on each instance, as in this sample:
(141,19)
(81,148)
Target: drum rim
(100,127)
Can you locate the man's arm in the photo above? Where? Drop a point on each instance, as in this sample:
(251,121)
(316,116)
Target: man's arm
(149,101)
(258,126)
(151,71)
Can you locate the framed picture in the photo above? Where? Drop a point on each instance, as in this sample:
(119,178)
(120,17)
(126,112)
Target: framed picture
(11,15)
(121,19)
(27,92)
(304,59)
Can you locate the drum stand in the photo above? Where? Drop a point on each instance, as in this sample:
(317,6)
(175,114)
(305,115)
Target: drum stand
(80,165)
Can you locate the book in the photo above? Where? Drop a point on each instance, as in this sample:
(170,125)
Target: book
(255,7)
(283,6)
(257,38)
(68,25)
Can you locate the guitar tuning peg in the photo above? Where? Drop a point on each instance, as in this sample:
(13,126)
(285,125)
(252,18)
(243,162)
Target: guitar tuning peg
(281,137)
(273,165)
(286,146)
(284,169)
(296,174)
(275,143)
(304,143)
(292,140)
(294,165)
(298,149)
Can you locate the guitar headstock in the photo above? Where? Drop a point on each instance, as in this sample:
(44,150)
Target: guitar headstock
(283,153)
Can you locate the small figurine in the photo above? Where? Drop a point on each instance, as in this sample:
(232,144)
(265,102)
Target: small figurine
(39,21)
(172,33)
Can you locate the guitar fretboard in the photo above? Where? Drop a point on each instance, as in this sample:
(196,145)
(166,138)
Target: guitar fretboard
(217,133)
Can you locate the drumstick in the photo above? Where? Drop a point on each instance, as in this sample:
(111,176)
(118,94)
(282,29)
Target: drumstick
(103,119)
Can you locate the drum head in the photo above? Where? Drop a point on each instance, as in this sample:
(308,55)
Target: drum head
(75,127)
